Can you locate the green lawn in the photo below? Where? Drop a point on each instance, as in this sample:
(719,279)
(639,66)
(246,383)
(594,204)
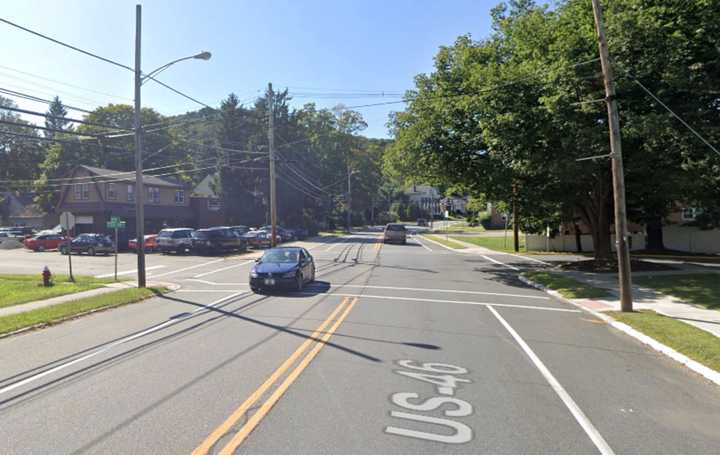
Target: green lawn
(695,343)
(16,289)
(495,243)
(698,288)
(566,286)
(458,227)
(55,313)
(441,239)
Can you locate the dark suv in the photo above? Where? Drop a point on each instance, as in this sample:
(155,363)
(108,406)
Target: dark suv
(91,244)
(178,240)
(217,240)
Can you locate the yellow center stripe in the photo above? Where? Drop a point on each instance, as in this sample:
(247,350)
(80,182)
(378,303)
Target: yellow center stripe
(241,435)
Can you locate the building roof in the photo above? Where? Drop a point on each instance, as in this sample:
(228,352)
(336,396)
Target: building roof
(129,176)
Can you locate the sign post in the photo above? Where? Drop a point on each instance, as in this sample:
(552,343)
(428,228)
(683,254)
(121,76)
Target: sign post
(116,223)
(67,222)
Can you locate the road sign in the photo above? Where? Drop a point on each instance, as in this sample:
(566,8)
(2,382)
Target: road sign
(116,223)
(67,220)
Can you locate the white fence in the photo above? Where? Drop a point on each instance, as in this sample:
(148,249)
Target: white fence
(692,239)
(535,242)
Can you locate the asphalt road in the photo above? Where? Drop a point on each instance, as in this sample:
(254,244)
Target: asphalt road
(397,349)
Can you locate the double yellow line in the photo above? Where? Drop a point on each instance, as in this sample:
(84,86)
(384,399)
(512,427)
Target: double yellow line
(343,309)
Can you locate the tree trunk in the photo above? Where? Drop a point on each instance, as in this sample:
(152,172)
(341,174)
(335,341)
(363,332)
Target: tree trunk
(654,231)
(578,238)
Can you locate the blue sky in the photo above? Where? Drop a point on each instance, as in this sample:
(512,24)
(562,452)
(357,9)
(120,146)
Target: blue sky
(314,47)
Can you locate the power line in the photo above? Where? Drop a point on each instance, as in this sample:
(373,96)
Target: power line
(70,120)
(77,49)
(61,141)
(40,100)
(98,92)
(52,130)
(301,176)
(294,185)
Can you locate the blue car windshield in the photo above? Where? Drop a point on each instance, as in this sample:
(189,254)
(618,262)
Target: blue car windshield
(275,256)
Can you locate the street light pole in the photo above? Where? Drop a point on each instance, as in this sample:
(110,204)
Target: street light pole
(139,187)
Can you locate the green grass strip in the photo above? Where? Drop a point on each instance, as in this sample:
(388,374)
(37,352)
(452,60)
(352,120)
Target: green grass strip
(495,243)
(697,288)
(17,289)
(695,343)
(441,239)
(566,286)
(59,312)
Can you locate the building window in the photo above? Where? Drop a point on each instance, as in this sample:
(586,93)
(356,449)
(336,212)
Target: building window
(690,213)
(111,192)
(153,195)
(214,204)
(179,197)
(82,191)
(131,193)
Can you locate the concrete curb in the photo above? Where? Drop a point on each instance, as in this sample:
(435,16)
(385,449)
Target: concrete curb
(708,373)
(456,250)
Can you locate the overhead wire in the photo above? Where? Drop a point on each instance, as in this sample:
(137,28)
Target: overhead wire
(67,119)
(40,100)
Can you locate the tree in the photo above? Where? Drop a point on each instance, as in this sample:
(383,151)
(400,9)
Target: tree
(56,117)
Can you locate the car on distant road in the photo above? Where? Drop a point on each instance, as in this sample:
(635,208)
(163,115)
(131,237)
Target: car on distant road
(286,267)
(45,242)
(217,240)
(151,244)
(175,240)
(258,239)
(422,222)
(91,244)
(395,233)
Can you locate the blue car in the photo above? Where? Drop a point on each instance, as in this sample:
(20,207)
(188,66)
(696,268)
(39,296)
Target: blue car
(283,268)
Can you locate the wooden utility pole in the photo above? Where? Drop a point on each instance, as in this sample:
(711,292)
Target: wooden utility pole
(271,147)
(348,215)
(621,241)
(139,187)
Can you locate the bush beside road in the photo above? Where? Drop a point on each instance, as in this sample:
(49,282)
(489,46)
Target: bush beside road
(61,312)
(17,289)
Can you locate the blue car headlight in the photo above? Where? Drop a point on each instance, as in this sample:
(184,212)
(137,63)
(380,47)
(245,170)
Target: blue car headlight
(289,275)
(253,273)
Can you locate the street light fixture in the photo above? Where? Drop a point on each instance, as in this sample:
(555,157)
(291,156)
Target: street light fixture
(140,78)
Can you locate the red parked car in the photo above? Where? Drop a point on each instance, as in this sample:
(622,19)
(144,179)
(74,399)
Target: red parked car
(45,242)
(151,244)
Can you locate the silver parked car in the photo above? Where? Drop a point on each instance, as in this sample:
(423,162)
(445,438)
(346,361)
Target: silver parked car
(177,240)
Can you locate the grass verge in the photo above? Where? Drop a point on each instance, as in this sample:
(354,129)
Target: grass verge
(460,227)
(60,312)
(567,287)
(17,289)
(495,243)
(696,288)
(440,239)
(695,343)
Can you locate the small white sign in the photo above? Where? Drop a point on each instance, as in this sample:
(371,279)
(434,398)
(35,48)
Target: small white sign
(67,220)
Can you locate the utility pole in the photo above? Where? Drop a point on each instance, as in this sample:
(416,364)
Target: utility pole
(271,146)
(516,225)
(349,197)
(139,187)
(623,252)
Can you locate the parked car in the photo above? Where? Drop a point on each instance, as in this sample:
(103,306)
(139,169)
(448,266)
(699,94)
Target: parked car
(282,268)
(300,233)
(45,242)
(395,233)
(91,244)
(422,222)
(177,240)
(151,244)
(260,238)
(12,233)
(217,240)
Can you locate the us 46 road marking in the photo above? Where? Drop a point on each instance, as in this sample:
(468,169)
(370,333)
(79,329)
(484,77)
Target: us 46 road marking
(442,376)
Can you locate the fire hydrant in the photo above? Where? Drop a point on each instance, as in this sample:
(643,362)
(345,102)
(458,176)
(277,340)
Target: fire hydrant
(47,277)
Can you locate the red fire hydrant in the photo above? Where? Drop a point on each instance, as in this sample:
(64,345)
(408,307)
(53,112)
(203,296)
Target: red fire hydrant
(47,276)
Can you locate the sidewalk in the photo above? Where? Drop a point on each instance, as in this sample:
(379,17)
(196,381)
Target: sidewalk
(112,287)
(648,299)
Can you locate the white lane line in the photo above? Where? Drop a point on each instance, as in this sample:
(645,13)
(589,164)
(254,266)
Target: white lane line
(223,269)
(451,291)
(215,283)
(501,263)
(127,339)
(462,302)
(526,257)
(128,272)
(206,290)
(575,410)
(192,267)
(417,239)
